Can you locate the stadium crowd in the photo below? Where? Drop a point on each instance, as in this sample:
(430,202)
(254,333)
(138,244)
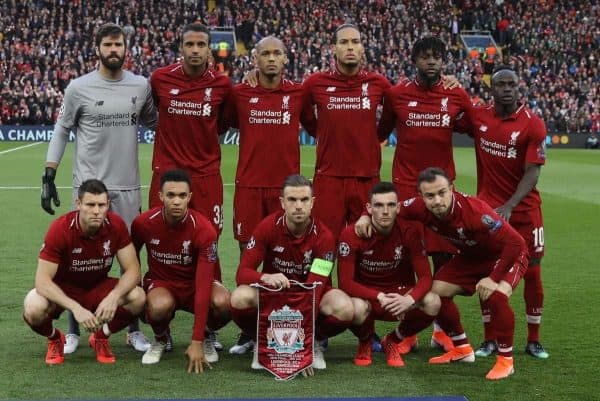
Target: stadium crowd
(553,44)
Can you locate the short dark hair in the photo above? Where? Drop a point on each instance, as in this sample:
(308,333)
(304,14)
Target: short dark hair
(429,43)
(195,27)
(296,180)
(383,187)
(176,175)
(430,174)
(343,26)
(108,30)
(92,186)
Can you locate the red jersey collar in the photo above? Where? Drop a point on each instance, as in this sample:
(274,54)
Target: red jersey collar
(515,114)
(343,77)
(420,85)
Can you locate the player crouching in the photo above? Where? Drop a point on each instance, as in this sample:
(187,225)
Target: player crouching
(379,273)
(182,253)
(72,274)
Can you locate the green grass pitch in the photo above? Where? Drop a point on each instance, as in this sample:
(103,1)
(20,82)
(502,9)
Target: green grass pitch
(571,195)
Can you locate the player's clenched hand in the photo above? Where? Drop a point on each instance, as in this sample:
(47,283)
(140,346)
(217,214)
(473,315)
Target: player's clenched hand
(276,280)
(86,318)
(49,193)
(105,312)
(251,78)
(363,227)
(196,358)
(485,287)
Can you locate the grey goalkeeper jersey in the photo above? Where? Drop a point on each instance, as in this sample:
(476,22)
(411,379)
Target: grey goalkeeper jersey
(104,114)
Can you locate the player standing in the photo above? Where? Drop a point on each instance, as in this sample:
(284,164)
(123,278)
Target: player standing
(510,144)
(424,114)
(72,274)
(181,246)
(105,108)
(190,98)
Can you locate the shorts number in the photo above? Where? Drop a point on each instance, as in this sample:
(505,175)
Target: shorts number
(218,219)
(538,236)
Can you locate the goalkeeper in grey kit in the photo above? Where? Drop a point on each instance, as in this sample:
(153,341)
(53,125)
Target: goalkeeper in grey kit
(104,109)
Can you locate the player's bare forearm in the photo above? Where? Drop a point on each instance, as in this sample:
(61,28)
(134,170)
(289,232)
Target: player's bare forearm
(131,270)
(527,183)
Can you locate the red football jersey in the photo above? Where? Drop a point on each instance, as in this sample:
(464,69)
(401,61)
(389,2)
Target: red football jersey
(424,119)
(188,122)
(185,252)
(347,142)
(83,261)
(367,265)
(269,122)
(503,147)
(475,229)
(279,251)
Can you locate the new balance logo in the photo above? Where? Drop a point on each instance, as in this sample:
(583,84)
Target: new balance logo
(174,91)
(412,104)
(154,241)
(369,252)
(278,249)
(76,250)
(330,89)
(483,128)
(253,100)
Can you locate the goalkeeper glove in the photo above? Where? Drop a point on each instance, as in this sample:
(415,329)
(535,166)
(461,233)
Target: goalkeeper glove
(49,190)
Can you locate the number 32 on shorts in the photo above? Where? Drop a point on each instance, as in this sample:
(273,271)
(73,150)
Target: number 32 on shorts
(218,219)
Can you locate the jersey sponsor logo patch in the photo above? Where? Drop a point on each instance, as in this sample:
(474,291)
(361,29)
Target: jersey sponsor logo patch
(212,252)
(408,202)
(365,89)
(285,102)
(513,137)
(185,247)
(444,104)
(106,247)
(541,150)
(344,249)
(251,243)
(207,94)
(398,253)
(489,222)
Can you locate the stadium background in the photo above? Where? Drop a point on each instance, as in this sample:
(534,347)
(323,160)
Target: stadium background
(554,46)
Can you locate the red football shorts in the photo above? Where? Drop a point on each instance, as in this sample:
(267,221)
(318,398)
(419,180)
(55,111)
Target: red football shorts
(182,292)
(340,200)
(250,207)
(89,298)
(466,272)
(530,225)
(434,243)
(207,197)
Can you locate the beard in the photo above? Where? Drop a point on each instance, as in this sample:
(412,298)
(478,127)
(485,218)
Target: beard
(111,63)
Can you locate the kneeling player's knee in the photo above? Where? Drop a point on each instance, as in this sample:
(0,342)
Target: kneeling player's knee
(220,301)
(431,304)
(243,297)
(159,306)
(136,299)
(336,303)
(362,309)
(35,307)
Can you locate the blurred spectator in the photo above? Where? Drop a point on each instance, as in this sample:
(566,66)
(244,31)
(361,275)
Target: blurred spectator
(552,44)
(592,141)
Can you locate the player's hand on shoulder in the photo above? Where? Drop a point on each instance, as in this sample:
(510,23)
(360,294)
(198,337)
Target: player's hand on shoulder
(363,227)
(276,280)
(251,78)
(196,358)
(49,193)
(450,82)
(505,211)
